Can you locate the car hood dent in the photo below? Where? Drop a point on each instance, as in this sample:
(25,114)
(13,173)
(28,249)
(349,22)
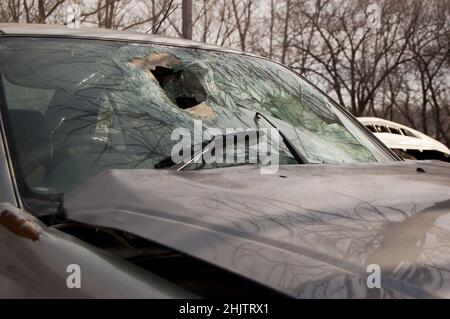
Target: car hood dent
(308,231)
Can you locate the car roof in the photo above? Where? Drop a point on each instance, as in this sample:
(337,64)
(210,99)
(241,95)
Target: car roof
(380,121)
(53,30)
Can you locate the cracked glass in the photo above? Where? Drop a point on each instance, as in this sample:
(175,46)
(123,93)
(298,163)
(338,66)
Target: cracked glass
(77,107)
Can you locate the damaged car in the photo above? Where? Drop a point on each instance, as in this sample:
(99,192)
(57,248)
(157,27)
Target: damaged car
(90,188)
(405,141)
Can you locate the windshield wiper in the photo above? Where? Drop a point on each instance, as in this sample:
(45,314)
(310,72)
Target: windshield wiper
(292,149)
(207,145)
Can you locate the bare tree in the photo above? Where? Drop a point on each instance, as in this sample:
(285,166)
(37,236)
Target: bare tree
(32,11)
(187,19)
(46,8)
(10,11)
(242,11)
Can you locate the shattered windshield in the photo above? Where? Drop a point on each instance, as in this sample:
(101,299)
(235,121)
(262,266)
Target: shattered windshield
(77,107)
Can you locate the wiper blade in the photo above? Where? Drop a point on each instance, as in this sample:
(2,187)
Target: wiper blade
(168,162)
(207,145)
(292,149)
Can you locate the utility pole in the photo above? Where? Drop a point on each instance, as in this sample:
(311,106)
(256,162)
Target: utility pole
(187,19)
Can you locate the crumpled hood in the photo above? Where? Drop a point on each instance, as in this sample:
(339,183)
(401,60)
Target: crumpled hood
(309,231)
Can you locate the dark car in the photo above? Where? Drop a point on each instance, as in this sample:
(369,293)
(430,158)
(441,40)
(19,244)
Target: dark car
(95,204)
